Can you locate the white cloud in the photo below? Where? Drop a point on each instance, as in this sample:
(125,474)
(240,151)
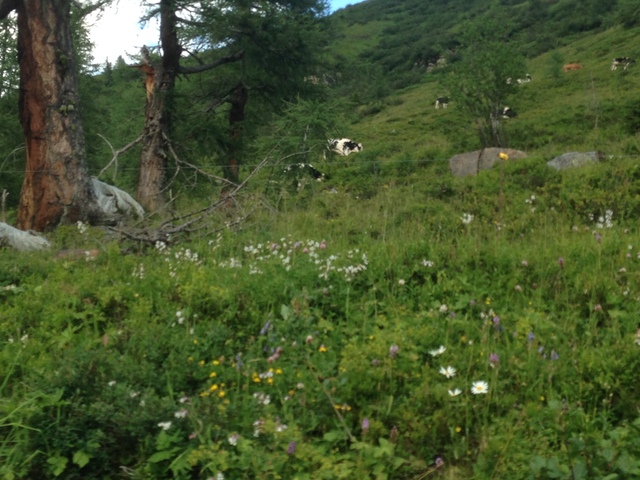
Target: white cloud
(117,31)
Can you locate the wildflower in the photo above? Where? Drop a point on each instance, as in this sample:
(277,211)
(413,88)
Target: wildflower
(181,413)
(518,288)
(438,351)
(439,462)
(455,392)
(496,321)
(427,263)
(322,348)
(531,337)
(597,308)
(443,308)
(479,387)
(393,351)
(524,263)
(458,429)
(265,328)
(309,339)
(494,360)
(365,425)
(281,428)
(375,362)
(111,383)
(165,425)
(448,371)
(292,448)
(503,156)
(184,400)
(466,218)
(554,355)
(561,262)
(401,282)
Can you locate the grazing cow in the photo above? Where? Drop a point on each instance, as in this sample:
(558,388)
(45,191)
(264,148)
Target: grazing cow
(442,102)
(526,79)
(304,168)
(571,66)
(344,146)
(504,112)
(622,62)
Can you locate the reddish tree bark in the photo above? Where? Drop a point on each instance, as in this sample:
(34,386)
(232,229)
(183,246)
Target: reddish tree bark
(57,186)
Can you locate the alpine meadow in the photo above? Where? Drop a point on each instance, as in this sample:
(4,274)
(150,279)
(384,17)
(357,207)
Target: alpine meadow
(397,241)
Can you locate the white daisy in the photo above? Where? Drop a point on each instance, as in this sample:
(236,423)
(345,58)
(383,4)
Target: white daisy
(438,351)
(479,387)
(448,371)
(455,392)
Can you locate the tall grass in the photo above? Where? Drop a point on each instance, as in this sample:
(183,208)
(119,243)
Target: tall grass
(344,339)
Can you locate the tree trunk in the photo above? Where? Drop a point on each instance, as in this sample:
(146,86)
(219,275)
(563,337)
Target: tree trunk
(153,159)
(238,101)
(57,187)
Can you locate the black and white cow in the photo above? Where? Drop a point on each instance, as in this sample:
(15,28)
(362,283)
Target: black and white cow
(442,102)
(344,146)
(526,79)
(300,169)
(504,112)
(622,62)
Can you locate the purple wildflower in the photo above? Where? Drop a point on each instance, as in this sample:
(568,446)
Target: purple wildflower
(494,359)
(531,337)
(375,362)
(496,321)
(393,351)
(561,262)
(439,462)
(292,448)
(265,329)
(598,238)
(365,425)
(554,355)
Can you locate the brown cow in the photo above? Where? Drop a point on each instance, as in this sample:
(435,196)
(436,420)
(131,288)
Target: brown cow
(571,66)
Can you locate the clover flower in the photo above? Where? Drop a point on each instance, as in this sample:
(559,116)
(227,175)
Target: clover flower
(494,360)
(479,387)
(393,351)
(233,439)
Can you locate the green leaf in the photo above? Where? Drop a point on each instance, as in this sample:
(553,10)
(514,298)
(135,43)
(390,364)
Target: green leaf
(161,456)
(580,470)
(335,436)
(81,458)
(58,464)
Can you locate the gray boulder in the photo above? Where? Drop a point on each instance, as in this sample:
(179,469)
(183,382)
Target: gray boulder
(574,159)
(470,163)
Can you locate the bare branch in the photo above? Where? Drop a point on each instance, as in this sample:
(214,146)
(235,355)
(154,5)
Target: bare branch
(117,153)
(203,68)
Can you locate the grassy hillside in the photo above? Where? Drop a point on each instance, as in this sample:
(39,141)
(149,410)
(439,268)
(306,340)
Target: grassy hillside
(392,322)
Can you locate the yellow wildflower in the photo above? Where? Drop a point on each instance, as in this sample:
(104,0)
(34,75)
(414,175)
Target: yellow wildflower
(504,156)
(221,393)
(213,387)
(322,348)
(279,371)
(213,374)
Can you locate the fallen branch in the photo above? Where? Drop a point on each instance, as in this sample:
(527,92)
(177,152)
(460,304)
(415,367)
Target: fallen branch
(21,240)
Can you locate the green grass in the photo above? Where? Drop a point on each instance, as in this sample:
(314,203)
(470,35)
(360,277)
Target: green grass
(332,311)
